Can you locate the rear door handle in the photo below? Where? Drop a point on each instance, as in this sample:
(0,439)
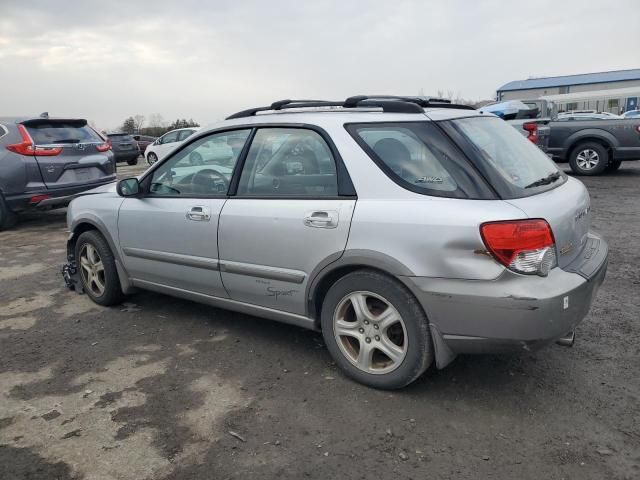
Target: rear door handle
(199,214)
(321,219)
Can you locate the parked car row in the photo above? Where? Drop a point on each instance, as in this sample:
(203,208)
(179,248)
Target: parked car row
(406,230)
(44,162)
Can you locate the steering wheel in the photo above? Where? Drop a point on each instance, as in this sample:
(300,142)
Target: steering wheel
(205,179)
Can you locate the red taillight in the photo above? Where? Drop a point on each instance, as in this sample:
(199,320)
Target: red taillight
(532,128)
(525,246)
(103,147)
(26,147)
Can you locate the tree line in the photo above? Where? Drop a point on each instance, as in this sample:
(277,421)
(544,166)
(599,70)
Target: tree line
(155,126)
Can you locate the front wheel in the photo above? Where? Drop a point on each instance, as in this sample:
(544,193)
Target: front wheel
(376,330)
(589,159)
(152,158)
(97,267)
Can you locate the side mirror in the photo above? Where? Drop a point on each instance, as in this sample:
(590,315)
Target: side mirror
(129,187)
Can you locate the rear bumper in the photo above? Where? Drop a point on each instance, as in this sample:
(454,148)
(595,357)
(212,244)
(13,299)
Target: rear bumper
(59,197)
(125,156)
(512,312)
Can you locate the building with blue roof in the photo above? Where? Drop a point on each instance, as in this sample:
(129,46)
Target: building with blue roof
(622,83)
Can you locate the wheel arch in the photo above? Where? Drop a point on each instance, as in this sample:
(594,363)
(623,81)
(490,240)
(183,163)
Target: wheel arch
(607,140)
(86,224)
(350,261)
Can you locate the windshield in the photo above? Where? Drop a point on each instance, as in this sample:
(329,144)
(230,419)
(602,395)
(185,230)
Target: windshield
(520,166)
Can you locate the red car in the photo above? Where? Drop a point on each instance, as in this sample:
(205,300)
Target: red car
(143,141)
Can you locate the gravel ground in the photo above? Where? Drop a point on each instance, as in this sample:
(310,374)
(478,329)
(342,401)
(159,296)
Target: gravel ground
(166,389)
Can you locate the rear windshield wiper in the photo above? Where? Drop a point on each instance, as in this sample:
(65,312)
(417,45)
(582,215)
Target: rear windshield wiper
(552,177)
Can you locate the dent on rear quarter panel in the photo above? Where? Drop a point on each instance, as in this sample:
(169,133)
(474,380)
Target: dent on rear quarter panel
(432,237)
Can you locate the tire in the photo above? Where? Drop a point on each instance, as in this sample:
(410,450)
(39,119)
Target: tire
(589,158)
(152,158)
(133,161)
(409,335)
(111,293)
(613,165)
(7,217)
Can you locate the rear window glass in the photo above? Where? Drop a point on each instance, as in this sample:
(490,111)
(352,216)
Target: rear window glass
(519,164)
(48,133)
(419,157)
(120,136)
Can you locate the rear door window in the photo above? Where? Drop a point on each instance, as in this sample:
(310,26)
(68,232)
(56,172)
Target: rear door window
(419,157)
(289,162)
(44,133)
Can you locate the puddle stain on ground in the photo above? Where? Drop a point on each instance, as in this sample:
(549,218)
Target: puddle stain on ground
(87,434)
(24,305)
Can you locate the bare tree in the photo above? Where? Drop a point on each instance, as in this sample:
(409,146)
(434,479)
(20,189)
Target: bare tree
(139,121)
(157,121)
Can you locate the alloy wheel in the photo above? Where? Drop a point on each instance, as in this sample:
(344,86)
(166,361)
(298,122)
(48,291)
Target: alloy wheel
(92,269)
(587,159)
(370,332)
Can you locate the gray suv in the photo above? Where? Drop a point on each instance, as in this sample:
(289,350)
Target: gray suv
(406,230)
(45,161)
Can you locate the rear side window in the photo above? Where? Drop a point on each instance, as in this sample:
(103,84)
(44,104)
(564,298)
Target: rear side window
(516,167)
(120,136)
(419,157)
(61,132)
(3,131)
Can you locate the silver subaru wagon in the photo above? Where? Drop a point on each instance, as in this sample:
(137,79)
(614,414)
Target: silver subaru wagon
(407,230)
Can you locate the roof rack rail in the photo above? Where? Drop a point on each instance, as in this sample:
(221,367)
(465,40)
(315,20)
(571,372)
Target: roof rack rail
(388,103)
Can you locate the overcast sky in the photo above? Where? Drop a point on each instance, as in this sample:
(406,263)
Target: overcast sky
(107,60)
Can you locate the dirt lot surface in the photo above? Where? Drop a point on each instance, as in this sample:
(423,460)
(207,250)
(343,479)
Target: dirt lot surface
(160,388)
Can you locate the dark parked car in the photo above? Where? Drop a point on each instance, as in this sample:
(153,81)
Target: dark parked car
(594,146)
(44,162)
(144,141)
(124,147)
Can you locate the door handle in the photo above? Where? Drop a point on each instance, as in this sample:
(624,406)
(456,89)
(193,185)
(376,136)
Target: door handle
(199,214)
(321,219)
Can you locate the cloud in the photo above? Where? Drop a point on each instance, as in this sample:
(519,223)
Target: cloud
(106,61)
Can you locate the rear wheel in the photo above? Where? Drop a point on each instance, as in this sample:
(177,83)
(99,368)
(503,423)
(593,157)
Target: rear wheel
(589,159)
(97,268)
(152,158)
(132,161)
(614,165)
(7,217)
(375,330)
